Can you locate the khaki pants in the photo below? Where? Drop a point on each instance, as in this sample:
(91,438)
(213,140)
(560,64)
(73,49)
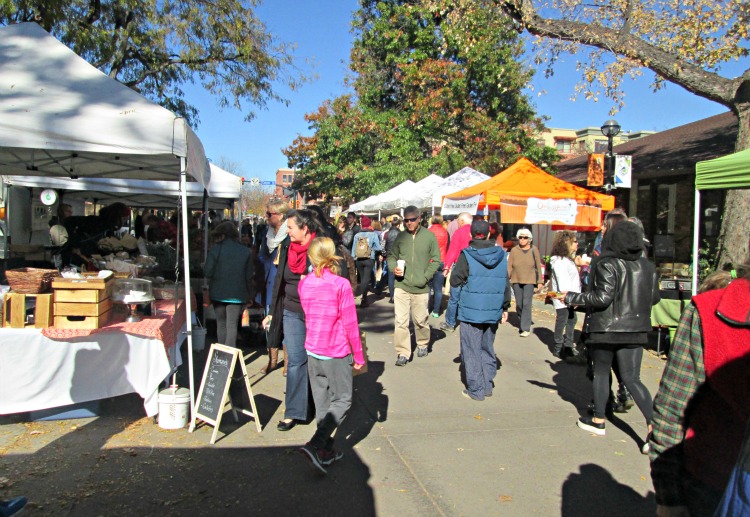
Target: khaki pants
(408,305)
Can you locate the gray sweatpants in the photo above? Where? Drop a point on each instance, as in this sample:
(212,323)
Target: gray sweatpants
(331,382)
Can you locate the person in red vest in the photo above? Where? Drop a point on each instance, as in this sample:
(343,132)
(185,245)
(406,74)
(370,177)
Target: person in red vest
(701,408)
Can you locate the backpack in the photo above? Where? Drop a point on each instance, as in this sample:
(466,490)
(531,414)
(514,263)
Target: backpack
(362,250)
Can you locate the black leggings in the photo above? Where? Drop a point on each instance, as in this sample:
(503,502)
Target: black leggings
(629,359)
(364,269)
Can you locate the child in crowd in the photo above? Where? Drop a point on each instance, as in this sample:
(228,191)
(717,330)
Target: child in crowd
(332,343)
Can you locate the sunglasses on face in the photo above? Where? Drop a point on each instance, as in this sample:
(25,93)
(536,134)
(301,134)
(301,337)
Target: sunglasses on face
(410,219)
(525,238)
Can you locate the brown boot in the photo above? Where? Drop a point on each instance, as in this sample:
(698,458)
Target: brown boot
(273,361)
(286,361)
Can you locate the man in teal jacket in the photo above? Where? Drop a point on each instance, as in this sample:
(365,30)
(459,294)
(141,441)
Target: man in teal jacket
(418,248)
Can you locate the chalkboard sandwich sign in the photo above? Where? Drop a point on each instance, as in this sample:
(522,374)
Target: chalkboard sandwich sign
(214,391)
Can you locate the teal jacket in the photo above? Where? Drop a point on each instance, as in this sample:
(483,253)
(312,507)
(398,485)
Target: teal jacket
(422,256)
(230,270)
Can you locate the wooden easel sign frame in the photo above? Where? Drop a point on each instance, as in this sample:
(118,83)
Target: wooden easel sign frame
(214,391)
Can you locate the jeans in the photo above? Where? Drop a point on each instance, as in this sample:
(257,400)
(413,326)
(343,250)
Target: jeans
(296,376)
(227,319)
(524,294)
(478,356)
(565,326)
(451,311)
(629,358)
(331,384)
(364,270)
(415,306)
(438,280)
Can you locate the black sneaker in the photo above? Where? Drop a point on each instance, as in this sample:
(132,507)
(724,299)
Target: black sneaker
(422,351)
(447,328)
(328,456)
(588,424)
(311,453)
(402,360)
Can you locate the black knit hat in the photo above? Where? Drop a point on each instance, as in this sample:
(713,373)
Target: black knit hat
(480,229)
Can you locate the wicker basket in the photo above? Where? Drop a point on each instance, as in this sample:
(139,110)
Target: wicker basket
(30,280)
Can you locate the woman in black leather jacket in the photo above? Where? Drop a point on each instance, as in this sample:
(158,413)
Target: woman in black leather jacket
(618,318)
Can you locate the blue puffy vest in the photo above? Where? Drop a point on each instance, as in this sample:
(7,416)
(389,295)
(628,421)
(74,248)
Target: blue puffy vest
(481,299)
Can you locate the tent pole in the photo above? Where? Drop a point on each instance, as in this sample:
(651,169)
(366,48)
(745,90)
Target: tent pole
(696,239)
(205,227)
(186,269)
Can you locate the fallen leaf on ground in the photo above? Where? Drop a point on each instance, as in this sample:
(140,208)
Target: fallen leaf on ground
(505,498)
(477,417)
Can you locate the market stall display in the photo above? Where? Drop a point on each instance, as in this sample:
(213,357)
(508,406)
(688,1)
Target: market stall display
(82,365)
(63,118)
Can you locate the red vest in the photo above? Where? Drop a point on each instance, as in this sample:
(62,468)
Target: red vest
(718,412)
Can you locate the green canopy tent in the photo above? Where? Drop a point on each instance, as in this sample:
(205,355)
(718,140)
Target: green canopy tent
(725,172)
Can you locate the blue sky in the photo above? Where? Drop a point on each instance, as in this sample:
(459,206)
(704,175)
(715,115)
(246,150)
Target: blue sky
(321,28)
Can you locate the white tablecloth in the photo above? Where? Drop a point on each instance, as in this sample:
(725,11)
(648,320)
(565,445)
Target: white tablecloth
(40,373)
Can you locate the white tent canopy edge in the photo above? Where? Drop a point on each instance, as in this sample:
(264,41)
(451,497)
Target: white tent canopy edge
(61,117)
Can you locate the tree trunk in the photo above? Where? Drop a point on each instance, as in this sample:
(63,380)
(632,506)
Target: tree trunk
(734,240)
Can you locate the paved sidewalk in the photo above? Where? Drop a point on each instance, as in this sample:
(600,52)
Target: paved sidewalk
(413,446)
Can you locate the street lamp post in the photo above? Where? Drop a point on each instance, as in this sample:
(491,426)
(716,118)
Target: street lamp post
(610,129)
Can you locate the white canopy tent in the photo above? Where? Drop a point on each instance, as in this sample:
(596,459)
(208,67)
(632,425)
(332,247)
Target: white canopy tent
(466,177)
(419,194)
(377,204)
(360,205)
(62,118)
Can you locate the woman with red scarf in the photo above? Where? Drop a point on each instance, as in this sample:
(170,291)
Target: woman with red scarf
(286,319)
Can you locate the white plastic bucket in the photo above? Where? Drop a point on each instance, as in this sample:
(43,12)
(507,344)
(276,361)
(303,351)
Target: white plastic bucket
(199,339)
(174,406)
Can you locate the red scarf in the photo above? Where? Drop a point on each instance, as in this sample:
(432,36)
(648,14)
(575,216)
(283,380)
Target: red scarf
(297,257)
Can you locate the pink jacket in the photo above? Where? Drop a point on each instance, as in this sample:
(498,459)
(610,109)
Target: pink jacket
(330,316)
(460,240)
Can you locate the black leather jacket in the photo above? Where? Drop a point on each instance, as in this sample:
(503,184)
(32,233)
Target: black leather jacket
(621,296)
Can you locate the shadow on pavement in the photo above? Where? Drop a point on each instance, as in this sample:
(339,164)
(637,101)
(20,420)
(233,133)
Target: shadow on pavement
(122,464)
(569,381)
(594,491)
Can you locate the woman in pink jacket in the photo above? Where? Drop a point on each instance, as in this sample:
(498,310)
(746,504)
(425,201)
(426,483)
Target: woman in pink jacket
(333,344)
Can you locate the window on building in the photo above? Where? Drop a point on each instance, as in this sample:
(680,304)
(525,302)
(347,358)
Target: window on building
(563,146)
(600,146)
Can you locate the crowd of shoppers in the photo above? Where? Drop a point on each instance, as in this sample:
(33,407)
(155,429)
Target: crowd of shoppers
(697,423)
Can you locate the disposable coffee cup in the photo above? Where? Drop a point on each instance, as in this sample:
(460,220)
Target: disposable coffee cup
(401,264)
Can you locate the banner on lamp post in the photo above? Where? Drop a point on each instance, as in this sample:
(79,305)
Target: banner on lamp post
(457,205)
(596,170)
(623,171)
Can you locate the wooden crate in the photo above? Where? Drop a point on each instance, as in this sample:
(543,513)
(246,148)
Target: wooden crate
(82,303)
(82,322)
(14,310)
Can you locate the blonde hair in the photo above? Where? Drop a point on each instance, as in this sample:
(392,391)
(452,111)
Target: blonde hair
(322,254)
(278,205)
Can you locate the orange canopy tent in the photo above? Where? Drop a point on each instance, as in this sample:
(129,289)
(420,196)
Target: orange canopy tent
(526,194)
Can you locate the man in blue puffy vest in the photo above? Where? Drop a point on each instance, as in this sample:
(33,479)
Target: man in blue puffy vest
(481,273)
